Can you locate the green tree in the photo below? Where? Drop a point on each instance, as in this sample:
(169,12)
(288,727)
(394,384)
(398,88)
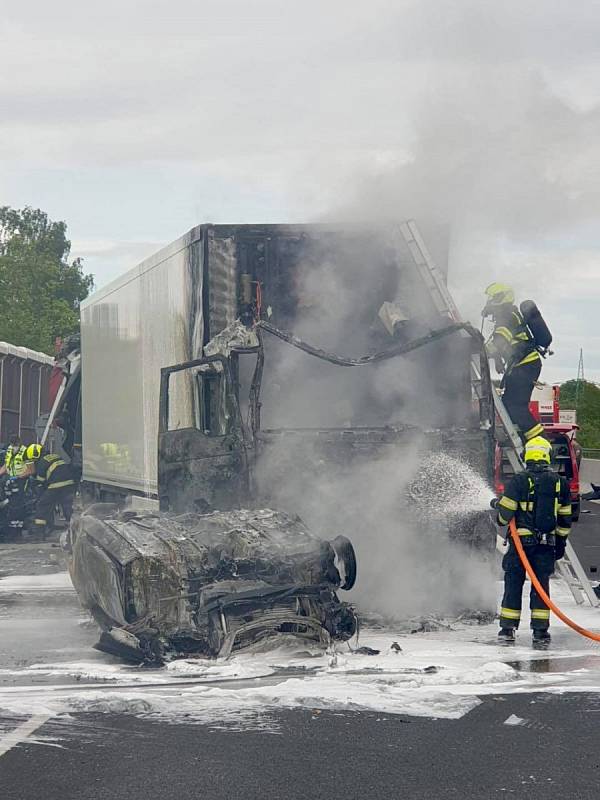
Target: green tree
(588,410)
(40,290)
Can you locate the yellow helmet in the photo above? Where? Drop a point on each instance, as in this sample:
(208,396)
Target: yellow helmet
(538,449)
(497,295)
(33,452)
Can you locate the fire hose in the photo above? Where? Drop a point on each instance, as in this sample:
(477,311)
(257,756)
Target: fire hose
(540,590)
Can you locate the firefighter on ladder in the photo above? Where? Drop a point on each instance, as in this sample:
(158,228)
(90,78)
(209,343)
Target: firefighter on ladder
(540,501)
(515,354)
(55,482)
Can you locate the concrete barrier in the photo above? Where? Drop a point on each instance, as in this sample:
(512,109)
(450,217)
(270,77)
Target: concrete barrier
(590,470)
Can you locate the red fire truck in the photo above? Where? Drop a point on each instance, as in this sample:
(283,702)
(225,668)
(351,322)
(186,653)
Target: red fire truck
(560,428)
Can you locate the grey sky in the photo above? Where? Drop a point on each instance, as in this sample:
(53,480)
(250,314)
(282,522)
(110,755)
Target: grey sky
(134,121)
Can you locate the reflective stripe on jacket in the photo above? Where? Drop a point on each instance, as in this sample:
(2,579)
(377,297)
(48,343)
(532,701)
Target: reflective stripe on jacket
(519,502)
(53,472)
(511,339)
(14,460)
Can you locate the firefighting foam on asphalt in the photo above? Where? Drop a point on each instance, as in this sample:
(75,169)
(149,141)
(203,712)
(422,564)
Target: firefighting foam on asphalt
(433,666)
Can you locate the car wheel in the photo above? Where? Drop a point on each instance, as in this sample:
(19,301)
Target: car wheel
(346,561)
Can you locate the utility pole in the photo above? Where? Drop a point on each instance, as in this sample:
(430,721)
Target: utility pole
(580,385)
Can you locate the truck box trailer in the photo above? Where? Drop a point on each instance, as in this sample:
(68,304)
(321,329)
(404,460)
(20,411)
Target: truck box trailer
(346,289)
(24,379)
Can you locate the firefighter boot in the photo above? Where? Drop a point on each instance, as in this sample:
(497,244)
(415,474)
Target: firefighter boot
(506,635)
(541,637)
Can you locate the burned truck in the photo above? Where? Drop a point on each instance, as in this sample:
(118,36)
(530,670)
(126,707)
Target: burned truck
(346,291)
(305,348)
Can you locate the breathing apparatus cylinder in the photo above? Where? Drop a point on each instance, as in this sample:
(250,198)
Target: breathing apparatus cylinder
(536,324)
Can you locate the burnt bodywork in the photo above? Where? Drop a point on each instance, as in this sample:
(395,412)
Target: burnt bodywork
(198,469)
(349,289)
(162,586)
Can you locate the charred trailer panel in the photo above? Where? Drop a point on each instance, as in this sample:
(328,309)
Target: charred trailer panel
(332,287)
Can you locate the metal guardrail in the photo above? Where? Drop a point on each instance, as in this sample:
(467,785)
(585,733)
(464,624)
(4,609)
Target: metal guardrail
(590,452)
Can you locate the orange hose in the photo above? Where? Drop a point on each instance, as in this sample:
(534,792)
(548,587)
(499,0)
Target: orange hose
(540,590)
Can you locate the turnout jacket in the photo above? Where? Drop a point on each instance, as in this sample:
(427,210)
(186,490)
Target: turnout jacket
(540,502)
(51,472)
(511,339)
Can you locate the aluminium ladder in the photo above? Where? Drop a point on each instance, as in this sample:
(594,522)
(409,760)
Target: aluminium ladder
(569,567)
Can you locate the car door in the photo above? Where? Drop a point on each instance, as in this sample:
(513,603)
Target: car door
(202,455)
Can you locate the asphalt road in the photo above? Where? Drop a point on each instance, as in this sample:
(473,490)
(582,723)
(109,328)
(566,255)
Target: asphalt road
(552,753)
(585,538)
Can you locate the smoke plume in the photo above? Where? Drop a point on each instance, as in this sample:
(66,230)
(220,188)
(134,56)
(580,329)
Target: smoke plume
(398,503)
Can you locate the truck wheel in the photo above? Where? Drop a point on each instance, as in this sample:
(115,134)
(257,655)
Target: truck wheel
(346,561)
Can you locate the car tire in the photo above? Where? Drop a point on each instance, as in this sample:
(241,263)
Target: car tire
(346,557)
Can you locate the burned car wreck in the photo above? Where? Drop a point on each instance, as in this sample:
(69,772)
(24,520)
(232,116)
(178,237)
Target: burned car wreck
(165,586)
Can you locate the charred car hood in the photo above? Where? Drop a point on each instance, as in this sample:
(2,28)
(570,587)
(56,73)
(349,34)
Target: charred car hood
(161,585)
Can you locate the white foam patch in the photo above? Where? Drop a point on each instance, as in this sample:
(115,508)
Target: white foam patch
(252,706)
(434,677)
(233,669)
(58,581)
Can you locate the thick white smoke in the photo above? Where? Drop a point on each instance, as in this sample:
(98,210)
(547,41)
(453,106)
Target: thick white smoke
(408,564)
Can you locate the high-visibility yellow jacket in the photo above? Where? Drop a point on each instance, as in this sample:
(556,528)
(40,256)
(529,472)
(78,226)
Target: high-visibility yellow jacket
(14,460)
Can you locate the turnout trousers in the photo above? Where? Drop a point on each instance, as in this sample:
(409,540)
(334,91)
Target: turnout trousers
(518,386)
(16,506)
(541,558)
(44,511)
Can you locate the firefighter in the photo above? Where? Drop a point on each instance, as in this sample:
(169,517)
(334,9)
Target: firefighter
(55,482)
(515,354)
(540,502)
(14,480)
(14,458)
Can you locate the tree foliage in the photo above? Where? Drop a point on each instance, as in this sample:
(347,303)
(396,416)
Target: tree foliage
(40,290)
(588,410)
